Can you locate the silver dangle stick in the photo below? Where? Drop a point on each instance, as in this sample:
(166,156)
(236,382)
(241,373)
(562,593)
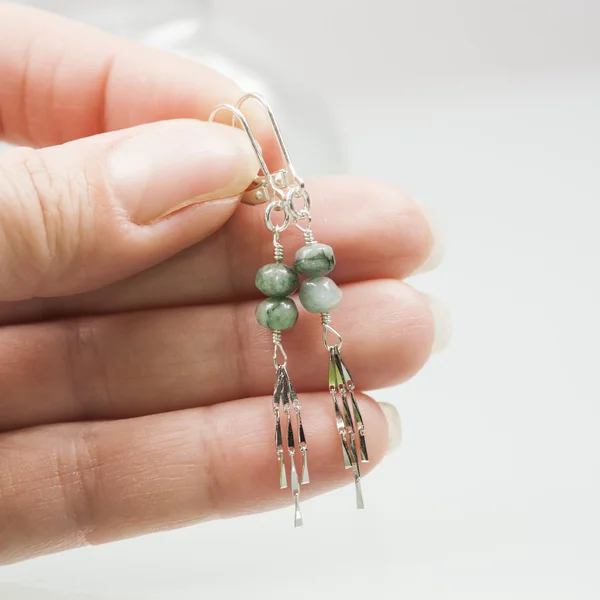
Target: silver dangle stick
(301,435)
(278,436)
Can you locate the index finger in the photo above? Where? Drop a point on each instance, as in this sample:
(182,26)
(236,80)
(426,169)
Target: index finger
(61,81)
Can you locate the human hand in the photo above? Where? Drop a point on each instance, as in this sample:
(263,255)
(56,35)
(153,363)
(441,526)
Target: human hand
(134,379)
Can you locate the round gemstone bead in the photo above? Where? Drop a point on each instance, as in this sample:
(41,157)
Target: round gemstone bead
(314,260)
(320,294)
(277,314)
(277,280)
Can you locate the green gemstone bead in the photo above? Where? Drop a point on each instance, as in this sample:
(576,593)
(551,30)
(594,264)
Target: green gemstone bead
(320,294)
(314,260)
(277,280)
(277,314)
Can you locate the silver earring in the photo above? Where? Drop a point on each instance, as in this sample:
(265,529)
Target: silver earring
(278,313)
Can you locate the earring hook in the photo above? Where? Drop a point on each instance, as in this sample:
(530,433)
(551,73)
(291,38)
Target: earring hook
(259,190)
(277,130)
(237,115)
(262,190)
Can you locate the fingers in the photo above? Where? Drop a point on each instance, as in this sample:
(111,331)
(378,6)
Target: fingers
(63,81)
(140,363)
(69,485)
(376,230)
(79,216)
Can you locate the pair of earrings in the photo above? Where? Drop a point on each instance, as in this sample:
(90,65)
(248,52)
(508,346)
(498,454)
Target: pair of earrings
(318,294)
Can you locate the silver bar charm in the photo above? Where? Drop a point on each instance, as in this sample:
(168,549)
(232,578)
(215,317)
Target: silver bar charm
(282,476)
(360,504)
(301,435)
(278,434)
(305,476)
(298,522)
(364,455)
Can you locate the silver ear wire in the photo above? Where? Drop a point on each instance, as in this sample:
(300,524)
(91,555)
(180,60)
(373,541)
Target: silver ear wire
(289,175)
(283,178)
(258,192)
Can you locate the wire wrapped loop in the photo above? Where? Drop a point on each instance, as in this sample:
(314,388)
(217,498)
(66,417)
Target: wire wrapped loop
(278,351)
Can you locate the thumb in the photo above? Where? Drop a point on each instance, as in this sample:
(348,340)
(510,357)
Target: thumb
(87,213)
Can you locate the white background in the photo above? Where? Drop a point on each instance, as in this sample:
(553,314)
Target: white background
(490,112)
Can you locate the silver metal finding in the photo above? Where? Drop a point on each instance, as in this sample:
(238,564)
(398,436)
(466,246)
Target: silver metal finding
(277,248)
(276,205)
(278,352)
(289,167)
(327,330)
(298,192)
(262,189)
(237,115)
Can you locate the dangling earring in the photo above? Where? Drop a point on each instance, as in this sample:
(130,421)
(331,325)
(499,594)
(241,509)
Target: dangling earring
(318,294)
(277,313)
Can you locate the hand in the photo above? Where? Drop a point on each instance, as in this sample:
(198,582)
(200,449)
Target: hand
(134,379)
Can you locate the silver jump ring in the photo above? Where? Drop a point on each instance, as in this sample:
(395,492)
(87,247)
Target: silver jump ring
(296,192)
(272,227)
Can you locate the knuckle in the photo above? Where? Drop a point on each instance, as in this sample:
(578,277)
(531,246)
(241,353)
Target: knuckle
(49,211)
(78,475)
(213,484)
(58,487)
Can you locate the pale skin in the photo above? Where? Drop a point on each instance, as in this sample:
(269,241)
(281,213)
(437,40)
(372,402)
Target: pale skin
(134,379)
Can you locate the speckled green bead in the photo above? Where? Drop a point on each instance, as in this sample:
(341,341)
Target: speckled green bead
(314,260)
(277,280)
(277,314)
(320,294)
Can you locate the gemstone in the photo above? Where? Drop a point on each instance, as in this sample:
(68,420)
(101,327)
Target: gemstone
(314,260)
(277,314)
(320,294)
(277,280)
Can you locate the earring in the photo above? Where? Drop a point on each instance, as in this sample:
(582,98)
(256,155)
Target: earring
(319,294)
(277,313)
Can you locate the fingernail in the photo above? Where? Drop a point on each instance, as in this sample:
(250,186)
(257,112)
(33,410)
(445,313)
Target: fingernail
(442,322)
(394,426)
(167,166)
(438,247)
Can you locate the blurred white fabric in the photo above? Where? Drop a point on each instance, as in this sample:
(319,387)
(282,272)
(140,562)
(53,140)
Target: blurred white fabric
(490,113)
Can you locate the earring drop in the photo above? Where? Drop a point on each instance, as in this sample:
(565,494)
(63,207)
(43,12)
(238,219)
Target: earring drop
(319,294)
(278,312)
